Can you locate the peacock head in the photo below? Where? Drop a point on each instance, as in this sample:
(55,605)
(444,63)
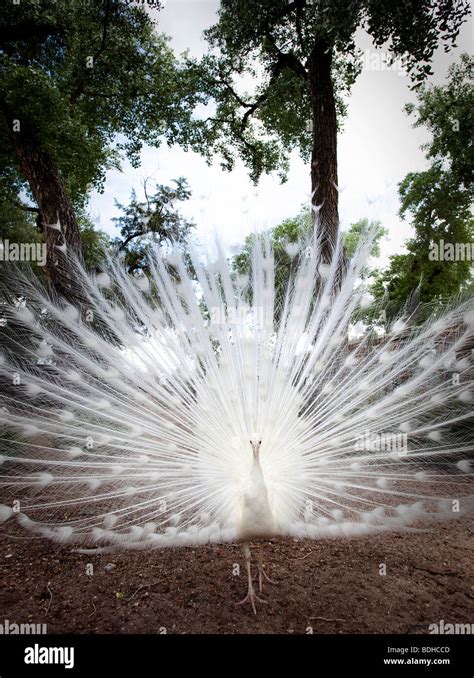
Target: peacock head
(255,442)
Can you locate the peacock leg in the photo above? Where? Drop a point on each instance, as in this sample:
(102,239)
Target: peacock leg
(251,596)
(261,572)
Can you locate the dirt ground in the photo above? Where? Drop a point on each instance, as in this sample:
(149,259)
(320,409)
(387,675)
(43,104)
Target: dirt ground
(330,586)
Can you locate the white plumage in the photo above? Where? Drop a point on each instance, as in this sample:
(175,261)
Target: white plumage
(136,420)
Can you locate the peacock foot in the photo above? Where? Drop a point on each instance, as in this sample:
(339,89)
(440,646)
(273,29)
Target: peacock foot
(261,574)
(251,598)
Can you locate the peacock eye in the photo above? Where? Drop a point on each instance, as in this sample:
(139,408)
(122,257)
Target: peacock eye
(259,442)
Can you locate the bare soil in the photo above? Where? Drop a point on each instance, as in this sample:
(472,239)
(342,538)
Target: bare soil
(329,586)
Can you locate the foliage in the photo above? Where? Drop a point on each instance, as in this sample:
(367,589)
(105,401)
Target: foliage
(447,112)
(18,225)
(257,70)
(94,81)
(298,230)
(95,243)
(439,199)
(155,220)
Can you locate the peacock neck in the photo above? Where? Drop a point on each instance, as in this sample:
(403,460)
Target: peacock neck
(257,519)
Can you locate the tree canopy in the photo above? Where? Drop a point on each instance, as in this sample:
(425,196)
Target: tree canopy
(278,69)
(438,200)
(80,73)
(85,84)
(156,219)
(82,84)
(298,231)
(19,226)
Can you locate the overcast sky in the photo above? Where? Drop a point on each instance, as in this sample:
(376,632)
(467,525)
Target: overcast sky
(376,149)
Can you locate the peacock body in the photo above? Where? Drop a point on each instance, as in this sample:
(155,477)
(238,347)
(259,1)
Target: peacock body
(194,406)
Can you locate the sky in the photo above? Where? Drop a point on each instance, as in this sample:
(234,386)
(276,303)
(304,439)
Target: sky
(377,147)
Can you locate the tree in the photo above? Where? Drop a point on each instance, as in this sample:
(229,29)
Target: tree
(154,220)
(289,231)
(95,244)
(439,199)
(302,56)
(74,76)
(18,225)
(447,112)
(298,229)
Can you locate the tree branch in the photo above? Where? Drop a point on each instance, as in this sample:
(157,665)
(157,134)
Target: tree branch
(146,193)
(284,60)
(22,206)
(263,97)
(299,31)
(288,60)
(104,30)
(235,95)
(28,30)
(80,89)
(279,66)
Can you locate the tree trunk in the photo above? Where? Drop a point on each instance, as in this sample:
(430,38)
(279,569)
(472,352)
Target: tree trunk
(46,185)
(324,152)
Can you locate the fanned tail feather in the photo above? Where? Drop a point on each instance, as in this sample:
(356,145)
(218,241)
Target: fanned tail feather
(127,422)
